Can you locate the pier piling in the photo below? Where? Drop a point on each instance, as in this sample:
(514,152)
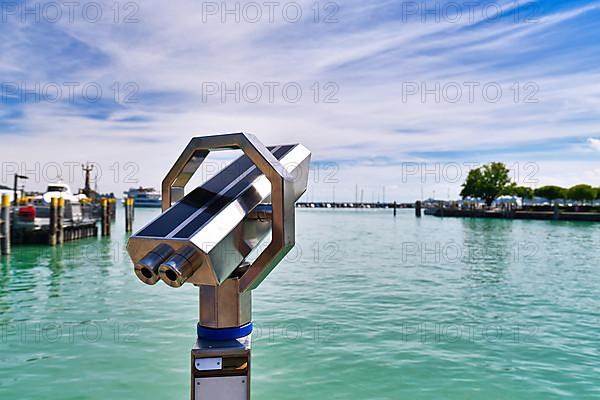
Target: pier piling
(112,207)
(5,225)
(418,208)
(127,214)
(395,206)
(105,217)
(60,218)
(52,232)
(129,205)
(103,211)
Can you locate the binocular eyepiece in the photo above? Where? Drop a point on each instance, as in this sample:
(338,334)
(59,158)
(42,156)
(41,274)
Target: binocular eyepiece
(174,268)
(147,268)
(179,268)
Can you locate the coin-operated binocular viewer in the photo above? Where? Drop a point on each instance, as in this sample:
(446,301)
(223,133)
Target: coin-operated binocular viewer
(207,238)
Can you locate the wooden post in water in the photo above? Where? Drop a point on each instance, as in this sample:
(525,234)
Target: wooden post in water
(52,229)
(418,208)
(127,214)
(129,204)
(109,217)
(395,205)
(5,219)
(104,218)
(60,218)
(112,206)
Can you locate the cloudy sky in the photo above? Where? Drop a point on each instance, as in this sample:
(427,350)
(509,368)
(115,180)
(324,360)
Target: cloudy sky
(400,95)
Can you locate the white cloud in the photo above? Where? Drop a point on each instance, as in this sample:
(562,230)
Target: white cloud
(594,144)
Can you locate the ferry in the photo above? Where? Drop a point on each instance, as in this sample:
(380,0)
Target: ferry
(145,197)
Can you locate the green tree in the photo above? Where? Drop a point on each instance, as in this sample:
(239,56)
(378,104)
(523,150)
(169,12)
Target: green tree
(471,185)
(551,192)
(598,193)
(487,182)
(581,193)
(523,192)
(510,190)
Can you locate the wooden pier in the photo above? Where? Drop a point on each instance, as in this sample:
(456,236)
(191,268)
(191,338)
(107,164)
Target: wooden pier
(55,229)
(71,233)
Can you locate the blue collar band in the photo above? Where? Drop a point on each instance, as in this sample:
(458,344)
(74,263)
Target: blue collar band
(224,334)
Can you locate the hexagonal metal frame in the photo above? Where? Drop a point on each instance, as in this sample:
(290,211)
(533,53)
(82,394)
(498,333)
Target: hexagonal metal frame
(282,197)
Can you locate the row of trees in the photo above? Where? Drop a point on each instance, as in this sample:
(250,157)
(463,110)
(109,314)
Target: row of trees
(578,192)
(493,180)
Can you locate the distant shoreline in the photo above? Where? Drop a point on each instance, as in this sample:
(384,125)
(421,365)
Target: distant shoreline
(547,213)
(554,215)
(329,204)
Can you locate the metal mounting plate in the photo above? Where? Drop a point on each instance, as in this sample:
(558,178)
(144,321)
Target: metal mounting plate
(223,388)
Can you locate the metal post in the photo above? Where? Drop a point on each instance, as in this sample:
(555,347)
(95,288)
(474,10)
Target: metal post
(60,226)
(53,221)
(221,369)
(221,356)
(15,188)
(5,216)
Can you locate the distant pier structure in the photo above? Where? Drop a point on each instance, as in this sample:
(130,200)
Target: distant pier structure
(59,215)
(328,204)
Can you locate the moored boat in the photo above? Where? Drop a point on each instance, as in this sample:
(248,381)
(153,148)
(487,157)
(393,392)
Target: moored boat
(145,197)
(34,213)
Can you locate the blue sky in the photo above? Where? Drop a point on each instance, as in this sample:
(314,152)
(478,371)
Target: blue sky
(362,66)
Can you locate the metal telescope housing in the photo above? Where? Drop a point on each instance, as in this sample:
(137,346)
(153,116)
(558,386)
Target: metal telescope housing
(204,237)
(211,238)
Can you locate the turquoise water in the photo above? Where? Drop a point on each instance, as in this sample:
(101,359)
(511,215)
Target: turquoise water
(367,307)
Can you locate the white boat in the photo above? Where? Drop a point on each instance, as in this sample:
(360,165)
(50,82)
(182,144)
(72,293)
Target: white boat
(145,197)
(63,190)
(36,214)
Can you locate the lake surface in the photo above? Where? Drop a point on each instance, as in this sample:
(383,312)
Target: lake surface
(366,307)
